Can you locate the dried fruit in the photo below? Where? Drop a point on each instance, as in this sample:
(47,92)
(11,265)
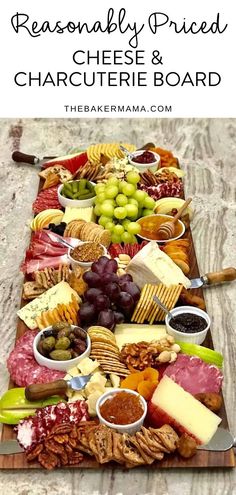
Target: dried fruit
(146,388)
(132,381)
(150,374)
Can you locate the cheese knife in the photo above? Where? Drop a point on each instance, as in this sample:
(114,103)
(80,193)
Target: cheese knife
(40,391)
(19,157)
(225,275)
(222,441)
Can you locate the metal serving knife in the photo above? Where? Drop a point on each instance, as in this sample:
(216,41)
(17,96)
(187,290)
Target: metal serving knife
(220,442)
(10,447)
(225,275)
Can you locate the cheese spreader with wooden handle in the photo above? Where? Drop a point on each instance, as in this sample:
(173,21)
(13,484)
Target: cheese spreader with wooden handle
(40,391)
(213,278)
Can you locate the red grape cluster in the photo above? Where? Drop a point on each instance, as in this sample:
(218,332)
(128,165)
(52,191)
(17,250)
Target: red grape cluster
(109,299)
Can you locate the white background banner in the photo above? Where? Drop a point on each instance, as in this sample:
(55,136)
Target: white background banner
(112,59)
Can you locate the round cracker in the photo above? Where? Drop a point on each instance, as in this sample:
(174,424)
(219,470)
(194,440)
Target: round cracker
(102,338)
(100,329)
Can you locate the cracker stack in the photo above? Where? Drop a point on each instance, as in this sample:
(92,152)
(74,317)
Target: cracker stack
(147,309)
(105,350)
(88,231)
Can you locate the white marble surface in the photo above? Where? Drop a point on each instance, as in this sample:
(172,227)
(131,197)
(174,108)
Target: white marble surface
(207,151)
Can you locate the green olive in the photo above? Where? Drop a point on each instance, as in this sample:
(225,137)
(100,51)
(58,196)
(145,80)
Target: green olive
(60,355)
(62,343)
(48,344)
(64,332)
(60,325)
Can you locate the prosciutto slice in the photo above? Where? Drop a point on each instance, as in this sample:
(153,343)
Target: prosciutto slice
(45,251)
(194,375)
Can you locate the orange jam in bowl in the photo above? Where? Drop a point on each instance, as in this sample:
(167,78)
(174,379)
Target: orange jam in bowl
(122,409)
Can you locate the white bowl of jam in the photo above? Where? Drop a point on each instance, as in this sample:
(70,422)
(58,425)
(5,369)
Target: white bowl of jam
(188,324)
(144,159)
(122,410)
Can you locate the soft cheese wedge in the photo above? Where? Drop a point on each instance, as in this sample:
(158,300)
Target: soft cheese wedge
(129,333)
(152,266)
(172,405)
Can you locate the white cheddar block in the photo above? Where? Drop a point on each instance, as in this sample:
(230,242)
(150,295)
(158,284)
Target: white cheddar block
(185,410)
(73,213)
(133,333)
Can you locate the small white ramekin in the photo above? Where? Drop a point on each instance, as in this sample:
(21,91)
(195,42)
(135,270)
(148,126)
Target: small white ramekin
(193,338)
(58,365)
(74,203)
(129,428)
(83,264)
(168,218)
(144,166)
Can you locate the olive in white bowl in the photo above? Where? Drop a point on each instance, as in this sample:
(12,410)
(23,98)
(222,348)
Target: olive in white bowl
(188,324)
(117,407)
(77,193)
(61,346)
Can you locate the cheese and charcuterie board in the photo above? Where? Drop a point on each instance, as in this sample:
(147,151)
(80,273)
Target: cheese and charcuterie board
(99,374)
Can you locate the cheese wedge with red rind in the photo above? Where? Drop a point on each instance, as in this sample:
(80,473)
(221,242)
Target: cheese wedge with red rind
(171,404)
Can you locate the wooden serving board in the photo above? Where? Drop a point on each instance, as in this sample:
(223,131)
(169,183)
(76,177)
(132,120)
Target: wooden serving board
(203,459)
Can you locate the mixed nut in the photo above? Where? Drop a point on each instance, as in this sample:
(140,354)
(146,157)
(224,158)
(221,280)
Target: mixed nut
(62,342)
(150,354)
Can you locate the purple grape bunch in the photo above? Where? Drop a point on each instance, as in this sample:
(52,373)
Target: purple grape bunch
(109,299)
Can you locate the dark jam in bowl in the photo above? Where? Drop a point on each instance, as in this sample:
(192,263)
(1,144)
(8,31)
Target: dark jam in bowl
(145,157)
(188,323)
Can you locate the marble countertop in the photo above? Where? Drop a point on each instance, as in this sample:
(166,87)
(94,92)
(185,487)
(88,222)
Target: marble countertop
(207,152)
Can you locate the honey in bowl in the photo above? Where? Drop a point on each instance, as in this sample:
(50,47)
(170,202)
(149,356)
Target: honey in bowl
(151,224)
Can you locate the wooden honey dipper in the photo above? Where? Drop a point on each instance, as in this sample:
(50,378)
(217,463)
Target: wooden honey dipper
(167,229)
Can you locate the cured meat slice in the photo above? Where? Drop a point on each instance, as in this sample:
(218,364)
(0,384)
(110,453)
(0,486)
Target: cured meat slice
(194,375)
(23,368)
(164,190)
(34,428)
(46,199)
(45,262)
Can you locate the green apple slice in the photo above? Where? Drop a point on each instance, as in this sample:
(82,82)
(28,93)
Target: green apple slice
(207,355)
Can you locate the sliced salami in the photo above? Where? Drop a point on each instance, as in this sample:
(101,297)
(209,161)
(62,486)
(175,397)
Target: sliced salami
(46,199)
(166,189)
(23,368)
(194,375)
